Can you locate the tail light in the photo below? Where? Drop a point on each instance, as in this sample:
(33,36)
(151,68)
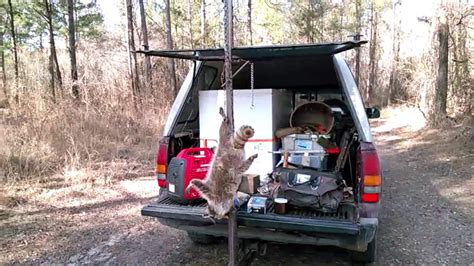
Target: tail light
(162,161)
(370,173)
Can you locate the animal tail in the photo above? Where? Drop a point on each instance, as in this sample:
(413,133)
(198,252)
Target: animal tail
(242,136)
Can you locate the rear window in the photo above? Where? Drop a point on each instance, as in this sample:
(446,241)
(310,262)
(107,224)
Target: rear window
(288,73)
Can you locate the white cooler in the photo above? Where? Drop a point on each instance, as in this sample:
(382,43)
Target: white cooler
(271,111)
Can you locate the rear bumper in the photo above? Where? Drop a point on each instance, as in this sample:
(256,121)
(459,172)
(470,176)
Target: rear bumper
(271,227)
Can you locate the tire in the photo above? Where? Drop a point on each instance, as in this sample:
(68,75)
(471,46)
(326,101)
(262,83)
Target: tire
(368,256)
(201,238)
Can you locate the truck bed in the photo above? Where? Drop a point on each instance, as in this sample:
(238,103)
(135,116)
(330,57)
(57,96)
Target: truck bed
(344,221)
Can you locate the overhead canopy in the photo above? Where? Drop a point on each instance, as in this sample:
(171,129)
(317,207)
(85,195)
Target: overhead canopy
(258,52)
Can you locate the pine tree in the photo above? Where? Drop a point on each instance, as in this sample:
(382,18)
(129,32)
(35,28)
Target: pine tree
(72,47)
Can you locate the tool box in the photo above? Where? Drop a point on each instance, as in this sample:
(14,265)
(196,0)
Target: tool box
(189,164)
(304,150)
(257,205)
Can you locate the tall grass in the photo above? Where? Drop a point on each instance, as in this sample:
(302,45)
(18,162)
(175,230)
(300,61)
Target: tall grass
(42,136)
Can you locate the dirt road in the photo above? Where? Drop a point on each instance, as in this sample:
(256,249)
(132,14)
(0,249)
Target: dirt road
(427,215)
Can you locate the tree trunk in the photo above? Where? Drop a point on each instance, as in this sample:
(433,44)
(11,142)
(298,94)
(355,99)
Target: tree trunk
(56,63)
(55,54)
(13,34)
(441,93)
(41,42)
(357,50)
(372,53)
(72,48)
(461,77)
(320,26)
(169,45)
(341,20)
(394,86)
(51,47)
(133,68)
(203,23)
(309,22)
(190,14)
(249,22)
(4,72)
(145,41)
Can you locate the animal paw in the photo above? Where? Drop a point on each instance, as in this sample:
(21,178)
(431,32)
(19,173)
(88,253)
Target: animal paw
(222,113)
(207,216)
(253,157)
(188,189)
(190,186)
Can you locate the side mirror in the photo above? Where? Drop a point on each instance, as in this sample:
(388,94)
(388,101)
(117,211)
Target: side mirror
(372,112)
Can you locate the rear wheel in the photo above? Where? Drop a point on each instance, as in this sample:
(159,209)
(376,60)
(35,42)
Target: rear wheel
(368,256)
(201,238)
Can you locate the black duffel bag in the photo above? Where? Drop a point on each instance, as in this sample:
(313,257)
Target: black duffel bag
(306,188)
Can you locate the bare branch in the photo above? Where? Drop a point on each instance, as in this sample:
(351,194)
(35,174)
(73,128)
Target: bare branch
(41,14)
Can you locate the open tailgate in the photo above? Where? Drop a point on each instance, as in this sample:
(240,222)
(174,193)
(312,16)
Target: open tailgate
(341,222)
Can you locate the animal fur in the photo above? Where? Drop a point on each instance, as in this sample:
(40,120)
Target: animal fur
(225,174)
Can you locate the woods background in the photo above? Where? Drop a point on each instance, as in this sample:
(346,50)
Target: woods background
(75,98)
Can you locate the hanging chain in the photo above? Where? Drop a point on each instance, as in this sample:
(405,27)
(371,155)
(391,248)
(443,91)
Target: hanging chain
(252,85)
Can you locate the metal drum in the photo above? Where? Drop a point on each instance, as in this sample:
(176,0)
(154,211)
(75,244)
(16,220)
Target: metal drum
(316,115)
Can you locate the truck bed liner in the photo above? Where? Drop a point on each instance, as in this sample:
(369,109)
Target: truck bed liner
(343,221)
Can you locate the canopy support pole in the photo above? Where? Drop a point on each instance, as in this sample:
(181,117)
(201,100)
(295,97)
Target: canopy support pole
(233,244)
(228,45)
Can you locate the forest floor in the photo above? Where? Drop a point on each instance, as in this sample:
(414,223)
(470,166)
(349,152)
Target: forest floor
(427,212)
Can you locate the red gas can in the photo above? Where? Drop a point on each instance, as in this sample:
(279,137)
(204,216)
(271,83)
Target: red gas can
(189,164)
